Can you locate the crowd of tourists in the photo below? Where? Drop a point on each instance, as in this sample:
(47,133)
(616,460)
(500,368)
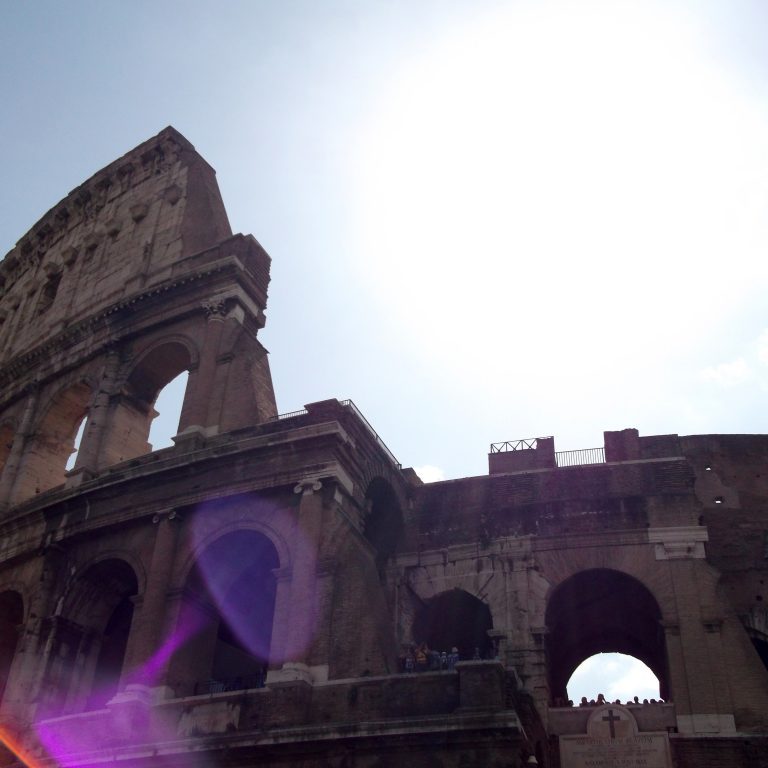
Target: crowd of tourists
(600,700)
(421,658)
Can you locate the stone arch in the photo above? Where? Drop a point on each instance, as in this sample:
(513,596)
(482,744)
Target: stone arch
(383,522)
(90,635)
(455,618)
(11,620)
(597,611)
(53,441)
(374,470)
(121,555)
(228,613)
(233,525)
(156,365)
(132,411)
(756,624)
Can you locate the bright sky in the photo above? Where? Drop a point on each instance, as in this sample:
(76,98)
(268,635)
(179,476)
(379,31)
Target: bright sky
(488,220)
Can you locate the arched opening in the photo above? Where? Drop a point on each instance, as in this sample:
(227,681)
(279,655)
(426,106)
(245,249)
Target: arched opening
(46,457)
(90,638)
(614,675)
(455,619)
(11,618)
(76,447)
(383,525)
(602,611)
(231,600)
(6,441)
(167,409)
(109,663)
(761,646)
(134,415)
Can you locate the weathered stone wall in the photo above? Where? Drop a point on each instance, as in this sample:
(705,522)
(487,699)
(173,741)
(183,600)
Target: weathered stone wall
(132,279)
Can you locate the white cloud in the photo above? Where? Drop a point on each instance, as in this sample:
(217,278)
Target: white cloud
(762,347)
(728,374)
(430,474)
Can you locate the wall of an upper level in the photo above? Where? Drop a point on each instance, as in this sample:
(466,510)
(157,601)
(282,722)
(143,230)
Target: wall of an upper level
(119,232)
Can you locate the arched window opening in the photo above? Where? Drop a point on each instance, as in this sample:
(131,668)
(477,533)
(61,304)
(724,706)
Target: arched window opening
(602,611)
(761,646)
(231,598)
(76,448)
(11,618)
(48,291)
(167,412)
(455,619)
(109,663)
(46,459)
(383,520)
(90,638)
(6,441)
(615,676)
(134,412)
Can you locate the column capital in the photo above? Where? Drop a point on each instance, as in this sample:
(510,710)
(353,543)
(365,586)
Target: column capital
(307,486)
(215,308)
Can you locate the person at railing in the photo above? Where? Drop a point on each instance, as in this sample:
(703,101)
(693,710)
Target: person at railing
(421,657)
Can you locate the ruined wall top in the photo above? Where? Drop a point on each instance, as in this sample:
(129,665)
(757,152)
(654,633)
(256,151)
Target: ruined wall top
(121,232)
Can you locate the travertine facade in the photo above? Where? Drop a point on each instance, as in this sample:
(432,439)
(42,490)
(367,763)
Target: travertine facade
(248,594)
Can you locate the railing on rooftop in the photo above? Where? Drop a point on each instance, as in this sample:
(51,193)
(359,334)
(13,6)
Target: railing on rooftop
(290,415)
(580,457)
(528,443)
(347,404)
(562,458)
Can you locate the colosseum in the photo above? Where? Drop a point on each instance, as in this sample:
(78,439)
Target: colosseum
(276,589)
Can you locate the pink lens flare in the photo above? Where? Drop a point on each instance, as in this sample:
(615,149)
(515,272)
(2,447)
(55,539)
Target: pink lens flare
(238,572)
(132,718)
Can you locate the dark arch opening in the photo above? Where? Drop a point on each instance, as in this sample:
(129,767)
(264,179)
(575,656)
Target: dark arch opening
(602,611)
(156,369)
(383,521)
(234,591)
(90,639)
(761,646)
(455,619)
(105,599)
(11,618)
(109,663)
(6,442)
(134,411)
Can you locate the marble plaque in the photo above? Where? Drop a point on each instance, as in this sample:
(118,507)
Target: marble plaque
(613,741)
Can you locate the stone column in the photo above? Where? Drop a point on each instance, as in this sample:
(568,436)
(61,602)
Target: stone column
(24,431)
(194,415)
(297,637)
(145,662)
(93,438)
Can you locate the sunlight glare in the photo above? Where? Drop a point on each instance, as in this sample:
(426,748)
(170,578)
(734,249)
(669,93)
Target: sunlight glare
(558,171)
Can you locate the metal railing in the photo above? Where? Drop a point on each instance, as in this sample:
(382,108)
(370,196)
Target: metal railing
(526,444)
(581,457)
(347,404)
(290,415)
(242,683)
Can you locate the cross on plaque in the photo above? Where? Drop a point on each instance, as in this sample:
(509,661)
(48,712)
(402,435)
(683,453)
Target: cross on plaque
(611,719)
